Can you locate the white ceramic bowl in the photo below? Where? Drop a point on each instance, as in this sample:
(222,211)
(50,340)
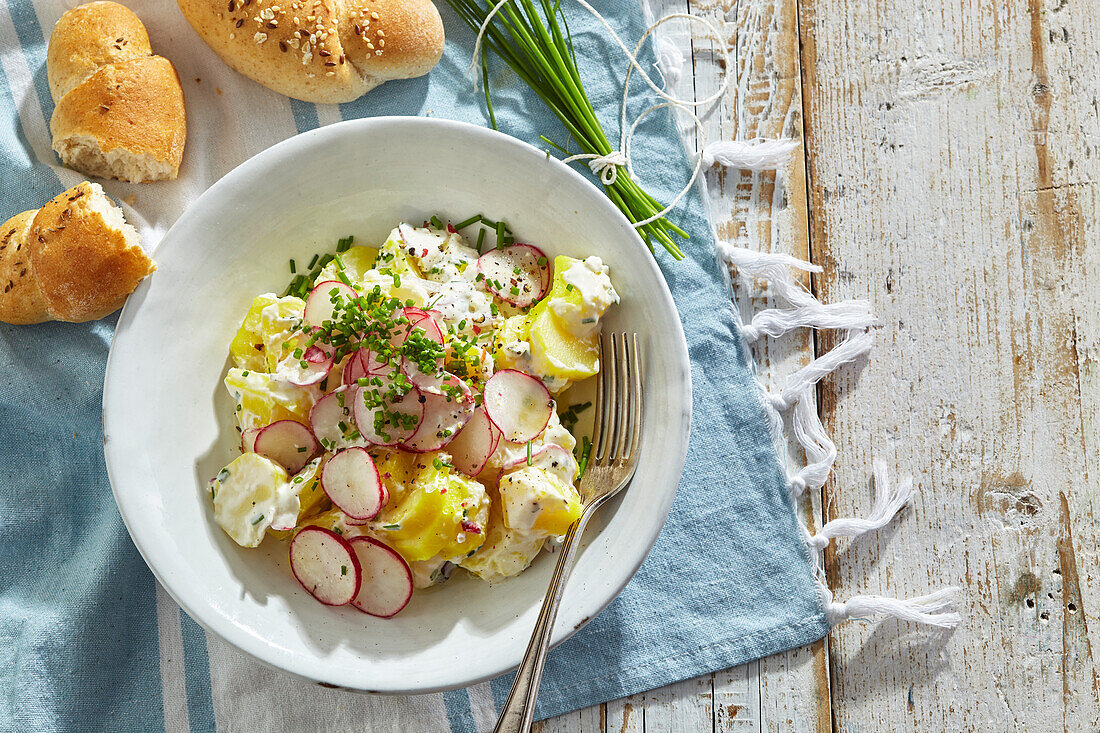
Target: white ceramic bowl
(168,426)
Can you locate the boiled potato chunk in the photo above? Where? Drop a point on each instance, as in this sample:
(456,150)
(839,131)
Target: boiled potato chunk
(262,399)
(249,495)
(505,552)
(556,352)
(534,500)
(444,513)
(260,327)
(357,260)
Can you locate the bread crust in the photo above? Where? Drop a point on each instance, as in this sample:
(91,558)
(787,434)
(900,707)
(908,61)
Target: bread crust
(84,266)
(119,110)
(88,37)
(135,105)
(324,51)
(21,301)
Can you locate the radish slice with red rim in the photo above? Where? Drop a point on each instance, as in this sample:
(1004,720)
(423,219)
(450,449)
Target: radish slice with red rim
(353,369)
(444,416)
(421,333)
(518,404)
(326,566)
(516,273)
(390,429)
(551,458)
(248,439)
(332,422)
(351,481)
(311,367)
(471,448)
(387,583)
(287,442)
(319,304)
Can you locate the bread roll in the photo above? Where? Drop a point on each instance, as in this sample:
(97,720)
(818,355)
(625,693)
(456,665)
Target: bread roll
(119,109)
(326,51)
(75,259)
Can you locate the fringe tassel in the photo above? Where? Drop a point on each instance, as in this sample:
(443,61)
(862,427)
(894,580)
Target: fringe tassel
(775,322)
(930,609)
(773,267)
(888,502)
(819,448)
(798,393)
(856,345)
(759,154)
(670,61)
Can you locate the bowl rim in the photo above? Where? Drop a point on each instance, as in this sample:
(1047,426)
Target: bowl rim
(232,182)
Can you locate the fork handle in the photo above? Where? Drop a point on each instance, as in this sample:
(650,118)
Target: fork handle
(519,708)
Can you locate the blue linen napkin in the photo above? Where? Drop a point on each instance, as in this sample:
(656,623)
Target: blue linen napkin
(87,641)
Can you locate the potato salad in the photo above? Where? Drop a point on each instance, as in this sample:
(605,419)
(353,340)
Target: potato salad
(398,411)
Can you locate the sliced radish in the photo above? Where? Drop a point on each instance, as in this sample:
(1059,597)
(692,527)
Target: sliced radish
(471,448)
(331,419)
(248,439)
(326,565)
(351,481)
(427,328)
(517,273)
(354,369)
(319,305)
(314,365)
(444,416)
(287,442)
(518,404)
(387,582)
(550,458)
(365,417)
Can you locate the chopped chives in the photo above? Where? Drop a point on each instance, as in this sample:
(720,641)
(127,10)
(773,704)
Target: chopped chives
(586,451)
(468,222)
(313,261)
(293,268)
(437,223)
(480,242)
(500,233)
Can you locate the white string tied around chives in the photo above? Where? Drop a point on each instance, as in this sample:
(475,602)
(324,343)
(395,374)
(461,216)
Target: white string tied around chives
(606,166)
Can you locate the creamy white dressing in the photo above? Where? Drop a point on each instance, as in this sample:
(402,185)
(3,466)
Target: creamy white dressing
(253,494)
(589,277)
(527,492)
(442,256)
(272,390)
(465,308)
(517,355)
(554,434)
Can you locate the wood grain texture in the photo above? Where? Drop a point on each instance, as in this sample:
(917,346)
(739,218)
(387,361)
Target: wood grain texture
(764,211)
(952,150)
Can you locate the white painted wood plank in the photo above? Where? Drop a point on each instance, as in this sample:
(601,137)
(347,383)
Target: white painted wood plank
(953,162)
(625,716)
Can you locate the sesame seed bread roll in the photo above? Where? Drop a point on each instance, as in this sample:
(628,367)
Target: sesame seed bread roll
(75,259)
(119,109)
(325,51)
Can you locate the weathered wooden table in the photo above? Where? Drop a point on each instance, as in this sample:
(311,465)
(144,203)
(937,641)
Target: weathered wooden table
(948,175)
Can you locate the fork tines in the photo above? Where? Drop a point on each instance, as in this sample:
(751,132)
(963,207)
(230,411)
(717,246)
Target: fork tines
(618,414)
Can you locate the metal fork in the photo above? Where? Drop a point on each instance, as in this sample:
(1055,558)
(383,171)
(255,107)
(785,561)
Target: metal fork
(611,464)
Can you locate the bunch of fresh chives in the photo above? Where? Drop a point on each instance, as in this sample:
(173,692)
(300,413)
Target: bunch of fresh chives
(535,42)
